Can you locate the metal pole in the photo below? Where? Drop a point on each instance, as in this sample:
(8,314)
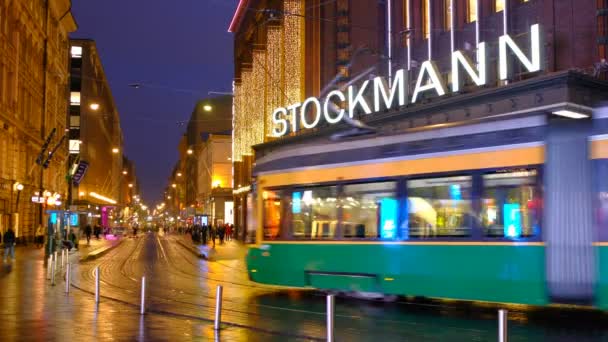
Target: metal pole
(53,269)
(218,308)
(143,295)
(62,257)
(330,318)
(48,267)
(97,284)
(67,277)
(503,335)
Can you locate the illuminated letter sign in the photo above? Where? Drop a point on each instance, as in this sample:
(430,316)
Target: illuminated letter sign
(434,81)
(386,95)
(460,58)
(533,64)
(398,87)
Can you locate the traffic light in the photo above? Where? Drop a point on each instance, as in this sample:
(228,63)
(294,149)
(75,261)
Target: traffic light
(48,160)
(81,169)
(40,158)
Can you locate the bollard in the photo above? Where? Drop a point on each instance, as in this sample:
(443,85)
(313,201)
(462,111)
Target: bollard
(48,267)
(330,318)
(62,257)
(67,277)
(143,295)
(97,284)
(503,335)
(53,269)
(218,308)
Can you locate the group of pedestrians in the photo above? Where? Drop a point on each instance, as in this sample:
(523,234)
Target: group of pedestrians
(203,233)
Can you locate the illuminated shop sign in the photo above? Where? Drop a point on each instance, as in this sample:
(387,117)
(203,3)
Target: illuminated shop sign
(289,119)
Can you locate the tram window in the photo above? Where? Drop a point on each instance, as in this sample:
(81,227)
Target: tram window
(314,213)
(439,207)
(272,214)
(511,206)
(369,211)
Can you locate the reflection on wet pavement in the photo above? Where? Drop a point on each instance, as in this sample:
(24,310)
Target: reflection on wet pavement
(180,305)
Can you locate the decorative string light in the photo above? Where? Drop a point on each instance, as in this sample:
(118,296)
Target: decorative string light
(274,79)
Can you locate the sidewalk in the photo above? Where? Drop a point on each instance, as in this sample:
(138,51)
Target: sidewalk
(230,250)
(96,248)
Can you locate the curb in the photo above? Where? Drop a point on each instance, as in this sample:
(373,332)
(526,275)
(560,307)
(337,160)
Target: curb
(99,252)
(193,250)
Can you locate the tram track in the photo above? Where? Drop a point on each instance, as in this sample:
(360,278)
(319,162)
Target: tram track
(236,311)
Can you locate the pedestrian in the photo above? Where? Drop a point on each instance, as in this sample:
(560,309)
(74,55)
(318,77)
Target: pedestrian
(39,236)
(73,239)
(221,232)
(205,233)
(9,244)
(228,232)
(97,231)
(212,233)
(88,231)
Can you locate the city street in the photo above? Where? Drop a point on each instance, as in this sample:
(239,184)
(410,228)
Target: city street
(180,305)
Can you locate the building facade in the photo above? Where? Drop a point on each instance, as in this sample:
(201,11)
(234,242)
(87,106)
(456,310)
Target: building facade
(96,139)
(34,74)
(431,124)
(204,160)
(298,49)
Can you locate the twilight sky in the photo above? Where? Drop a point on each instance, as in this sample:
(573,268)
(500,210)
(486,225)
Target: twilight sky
(178,50)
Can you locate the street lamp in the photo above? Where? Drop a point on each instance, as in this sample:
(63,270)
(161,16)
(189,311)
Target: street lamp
(179,174)
(189,151)
(207,108)
(174,185)
(125,172)
(94,106)
(115,150)
(130,185)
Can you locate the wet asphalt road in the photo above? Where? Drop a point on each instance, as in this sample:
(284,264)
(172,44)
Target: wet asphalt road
(181,301)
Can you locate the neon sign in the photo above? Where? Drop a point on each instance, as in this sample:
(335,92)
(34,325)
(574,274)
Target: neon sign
(309,113)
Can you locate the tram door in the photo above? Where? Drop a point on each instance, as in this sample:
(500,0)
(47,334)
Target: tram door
(568,231)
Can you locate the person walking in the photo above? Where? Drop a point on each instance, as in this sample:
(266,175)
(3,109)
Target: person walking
(228,232)
(73,239)
(9,244)
(39,237)
(88,231)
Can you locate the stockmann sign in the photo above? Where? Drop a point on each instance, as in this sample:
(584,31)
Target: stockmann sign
(384,96)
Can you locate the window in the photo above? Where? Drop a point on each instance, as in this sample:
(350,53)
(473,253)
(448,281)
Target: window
(314,213)
(75,121)
(425,19)
(439,207)
(74,146)
(76,51)
(499,5)
(75,98)
(447,15)
(471,11)
(370,210)
(511,204)
(272,214)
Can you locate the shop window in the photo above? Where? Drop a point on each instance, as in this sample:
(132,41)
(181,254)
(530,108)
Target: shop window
(370,210)
(314,213)
(272,214)
(471,11)
(511,204)
(439,207)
